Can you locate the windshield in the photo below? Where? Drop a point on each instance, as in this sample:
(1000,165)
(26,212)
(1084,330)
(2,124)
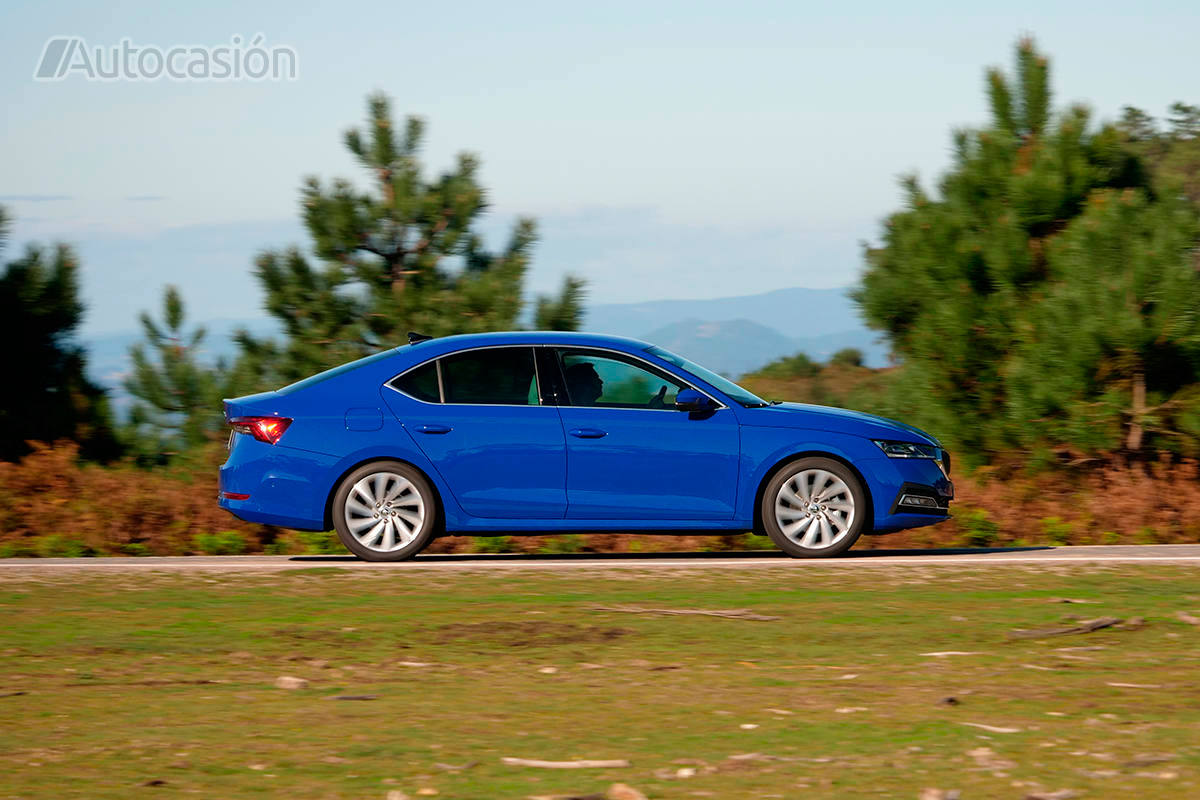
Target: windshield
(737,393)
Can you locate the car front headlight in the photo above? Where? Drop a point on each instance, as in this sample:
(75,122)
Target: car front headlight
(909,450)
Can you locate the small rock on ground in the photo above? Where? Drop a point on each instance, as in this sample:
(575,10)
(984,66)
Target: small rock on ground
(289,682)
(621,791)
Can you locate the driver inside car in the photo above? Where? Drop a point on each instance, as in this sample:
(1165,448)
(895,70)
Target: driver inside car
(584,385)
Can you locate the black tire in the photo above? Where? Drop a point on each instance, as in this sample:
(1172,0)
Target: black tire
(854,523)
(421,533)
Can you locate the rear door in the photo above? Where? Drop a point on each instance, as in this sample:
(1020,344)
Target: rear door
(630,454)
(478,416)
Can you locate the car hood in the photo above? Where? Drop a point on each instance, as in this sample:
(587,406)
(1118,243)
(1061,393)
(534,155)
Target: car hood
(803,415)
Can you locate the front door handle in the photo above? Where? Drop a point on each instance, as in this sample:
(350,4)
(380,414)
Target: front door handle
(588,433)
(434,428)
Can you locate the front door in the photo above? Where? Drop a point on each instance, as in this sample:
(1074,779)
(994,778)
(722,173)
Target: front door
(630,454)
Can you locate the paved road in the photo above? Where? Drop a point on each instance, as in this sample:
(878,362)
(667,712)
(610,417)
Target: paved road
(1186,554)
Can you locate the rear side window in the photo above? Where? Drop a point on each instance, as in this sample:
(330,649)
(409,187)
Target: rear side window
(421,383)
(491,376)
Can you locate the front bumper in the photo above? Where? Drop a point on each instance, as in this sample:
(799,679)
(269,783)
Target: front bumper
(893,479)
(916,498)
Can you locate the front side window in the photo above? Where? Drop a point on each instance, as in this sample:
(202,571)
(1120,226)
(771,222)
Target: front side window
(606,380)
(491,376)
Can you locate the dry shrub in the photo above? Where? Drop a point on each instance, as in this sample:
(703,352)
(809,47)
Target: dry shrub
(50,504)
(1113,503)
(114,510)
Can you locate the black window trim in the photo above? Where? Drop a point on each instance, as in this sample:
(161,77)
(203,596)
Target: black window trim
(437,360)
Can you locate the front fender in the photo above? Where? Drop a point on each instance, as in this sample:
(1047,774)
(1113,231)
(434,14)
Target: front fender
(763,449)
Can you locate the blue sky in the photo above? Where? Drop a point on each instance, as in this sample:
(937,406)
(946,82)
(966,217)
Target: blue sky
(669,150)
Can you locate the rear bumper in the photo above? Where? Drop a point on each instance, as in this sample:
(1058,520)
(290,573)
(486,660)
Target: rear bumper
(279,484)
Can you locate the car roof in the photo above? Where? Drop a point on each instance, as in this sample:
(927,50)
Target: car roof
(448,344)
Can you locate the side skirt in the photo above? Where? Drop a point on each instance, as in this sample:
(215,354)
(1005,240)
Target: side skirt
(550,527)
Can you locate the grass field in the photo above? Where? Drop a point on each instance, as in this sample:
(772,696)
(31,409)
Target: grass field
(163,685)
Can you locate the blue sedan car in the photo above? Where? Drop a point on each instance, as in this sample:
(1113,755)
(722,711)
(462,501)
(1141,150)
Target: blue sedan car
(533,433)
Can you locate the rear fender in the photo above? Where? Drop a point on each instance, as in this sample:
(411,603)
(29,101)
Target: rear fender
(452,513)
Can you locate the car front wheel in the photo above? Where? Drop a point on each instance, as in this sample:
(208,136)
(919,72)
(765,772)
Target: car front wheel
(384,511)
(814,507)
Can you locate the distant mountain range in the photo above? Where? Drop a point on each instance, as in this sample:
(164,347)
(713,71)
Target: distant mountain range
(730,335)
(736,335)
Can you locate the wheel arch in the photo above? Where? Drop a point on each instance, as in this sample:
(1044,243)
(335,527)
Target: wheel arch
(784,461)
(327,519)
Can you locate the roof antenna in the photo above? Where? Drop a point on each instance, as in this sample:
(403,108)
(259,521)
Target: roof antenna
(414,337)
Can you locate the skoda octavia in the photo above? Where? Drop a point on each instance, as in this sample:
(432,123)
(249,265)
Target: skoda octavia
(531,433)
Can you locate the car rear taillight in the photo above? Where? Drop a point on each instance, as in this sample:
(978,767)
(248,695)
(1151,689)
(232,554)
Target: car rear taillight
(265,429)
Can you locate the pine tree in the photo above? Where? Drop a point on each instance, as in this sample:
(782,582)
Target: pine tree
(562,313)
(49,395)
(1173,155)
(177,398)
(981,287)
(406,255)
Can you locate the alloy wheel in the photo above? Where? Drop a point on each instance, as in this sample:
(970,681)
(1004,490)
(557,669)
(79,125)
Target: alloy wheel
(384,511)
(814,509)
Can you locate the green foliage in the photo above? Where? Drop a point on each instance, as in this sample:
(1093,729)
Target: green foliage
(562,313)
(52,546)
(406,255)
(847,357)
(1172,154)
(222,543)
(979,530)
(493,545)
(1057,531)
(797,366)
(320,542)
(752,541)
(177,399)
(50,396)
(19,548)
(137,549)
(558,545)
(1045,296)
(59,546)
(1110,355)
(1148,534)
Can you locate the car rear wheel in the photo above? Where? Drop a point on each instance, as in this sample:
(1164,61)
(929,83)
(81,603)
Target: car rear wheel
(814,508)
(384,511)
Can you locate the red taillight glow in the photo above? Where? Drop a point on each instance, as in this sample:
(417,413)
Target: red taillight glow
(265,429)
(234,496)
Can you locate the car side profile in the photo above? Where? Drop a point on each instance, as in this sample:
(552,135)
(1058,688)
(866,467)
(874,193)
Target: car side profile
(546,432)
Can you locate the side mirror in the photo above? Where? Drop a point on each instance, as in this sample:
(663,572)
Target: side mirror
(691,400)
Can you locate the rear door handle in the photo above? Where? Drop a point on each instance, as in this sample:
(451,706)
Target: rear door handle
(588,433)
(434,428)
